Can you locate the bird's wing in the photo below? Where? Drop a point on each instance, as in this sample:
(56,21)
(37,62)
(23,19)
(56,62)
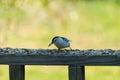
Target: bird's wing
(65,39)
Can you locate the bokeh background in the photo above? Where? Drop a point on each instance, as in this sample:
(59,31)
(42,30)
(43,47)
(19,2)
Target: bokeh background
(89,24)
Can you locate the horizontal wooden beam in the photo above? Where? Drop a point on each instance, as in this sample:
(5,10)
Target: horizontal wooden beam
(21,56)
(61,60)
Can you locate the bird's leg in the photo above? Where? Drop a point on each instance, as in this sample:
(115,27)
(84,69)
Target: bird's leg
(70,48)
(59,48)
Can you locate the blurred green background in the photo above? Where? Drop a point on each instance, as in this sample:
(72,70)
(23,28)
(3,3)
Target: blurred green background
(89,24)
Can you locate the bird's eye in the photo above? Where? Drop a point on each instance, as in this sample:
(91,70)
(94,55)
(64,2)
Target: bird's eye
(55,40)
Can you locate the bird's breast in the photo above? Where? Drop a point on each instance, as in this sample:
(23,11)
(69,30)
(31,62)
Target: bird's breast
(62,44)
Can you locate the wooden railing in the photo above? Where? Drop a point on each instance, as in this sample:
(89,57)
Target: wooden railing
(76,60)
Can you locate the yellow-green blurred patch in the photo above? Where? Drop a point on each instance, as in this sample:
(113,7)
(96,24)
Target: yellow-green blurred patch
(87,23)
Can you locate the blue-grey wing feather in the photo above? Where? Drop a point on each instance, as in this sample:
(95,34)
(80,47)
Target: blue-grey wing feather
(65,39)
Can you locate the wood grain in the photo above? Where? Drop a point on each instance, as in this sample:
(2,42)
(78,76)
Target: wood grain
(16,72)
(60,60)
(76,72)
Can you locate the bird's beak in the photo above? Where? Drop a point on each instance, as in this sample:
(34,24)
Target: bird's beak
(50,44)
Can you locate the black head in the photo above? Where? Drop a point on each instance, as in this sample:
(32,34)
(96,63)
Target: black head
(54,39)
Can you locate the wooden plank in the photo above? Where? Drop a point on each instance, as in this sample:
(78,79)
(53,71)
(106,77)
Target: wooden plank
(76,72)
(16,72)
(61,60)
(81,72)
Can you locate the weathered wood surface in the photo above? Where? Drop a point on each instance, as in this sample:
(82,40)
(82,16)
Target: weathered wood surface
(76,72)
(16,72)
(59,57)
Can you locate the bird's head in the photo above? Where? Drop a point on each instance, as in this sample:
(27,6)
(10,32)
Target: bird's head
(53,40)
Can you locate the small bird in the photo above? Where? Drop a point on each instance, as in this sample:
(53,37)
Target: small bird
(60,42)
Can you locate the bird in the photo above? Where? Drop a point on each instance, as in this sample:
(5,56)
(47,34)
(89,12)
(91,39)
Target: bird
(60,42)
